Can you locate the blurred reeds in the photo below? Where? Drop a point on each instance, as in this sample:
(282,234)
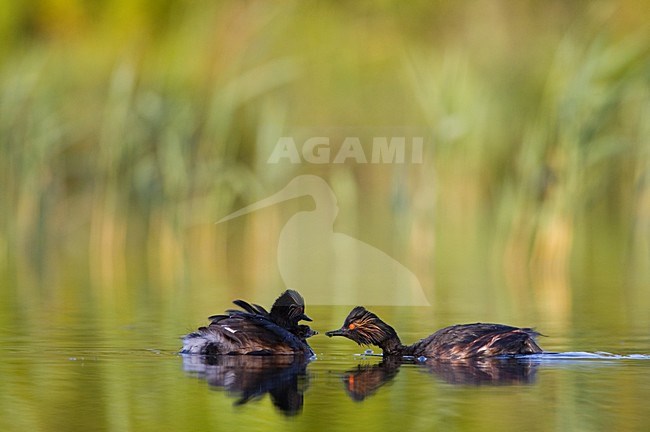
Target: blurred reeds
(128,128)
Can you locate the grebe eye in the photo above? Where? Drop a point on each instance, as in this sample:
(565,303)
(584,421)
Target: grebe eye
(352,326)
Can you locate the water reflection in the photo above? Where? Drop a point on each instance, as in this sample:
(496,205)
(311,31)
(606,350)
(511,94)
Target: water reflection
(284,378)
(488,371)
(366,379)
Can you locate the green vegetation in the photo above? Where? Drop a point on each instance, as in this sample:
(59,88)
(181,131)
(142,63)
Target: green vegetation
(127,128)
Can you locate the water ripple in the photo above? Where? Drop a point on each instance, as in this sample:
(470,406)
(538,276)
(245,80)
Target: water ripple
(584,355)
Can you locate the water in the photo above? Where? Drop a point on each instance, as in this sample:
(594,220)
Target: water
(66,370)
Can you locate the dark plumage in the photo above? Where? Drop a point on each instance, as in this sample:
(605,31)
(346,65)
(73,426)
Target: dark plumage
(450,343)
(255,331)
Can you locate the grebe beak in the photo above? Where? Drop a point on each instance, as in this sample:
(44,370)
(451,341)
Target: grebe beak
(339,332)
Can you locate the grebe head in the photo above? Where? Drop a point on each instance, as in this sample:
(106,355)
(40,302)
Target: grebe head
(364,328)
(289,309)
(304,331)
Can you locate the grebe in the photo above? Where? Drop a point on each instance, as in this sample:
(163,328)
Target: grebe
(450,343)
(255,331)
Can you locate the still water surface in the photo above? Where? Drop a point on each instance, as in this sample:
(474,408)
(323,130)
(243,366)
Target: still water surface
(83,371)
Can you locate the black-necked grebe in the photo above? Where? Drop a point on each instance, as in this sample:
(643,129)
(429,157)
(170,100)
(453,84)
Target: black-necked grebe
(450,343)
(255,331)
